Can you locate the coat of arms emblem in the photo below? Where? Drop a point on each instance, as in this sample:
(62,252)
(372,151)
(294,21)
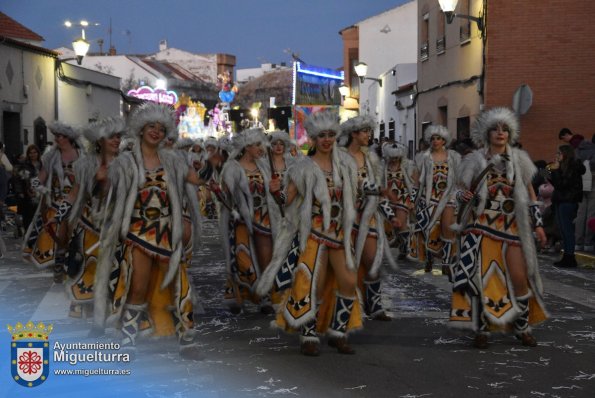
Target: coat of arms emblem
(30,353)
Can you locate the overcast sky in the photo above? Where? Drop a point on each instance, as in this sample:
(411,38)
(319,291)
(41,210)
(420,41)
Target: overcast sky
(255,31)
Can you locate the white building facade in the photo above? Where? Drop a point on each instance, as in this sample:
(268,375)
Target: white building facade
(388,45)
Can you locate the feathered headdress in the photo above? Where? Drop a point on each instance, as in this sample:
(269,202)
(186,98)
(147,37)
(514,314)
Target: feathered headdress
(439,130)
(104,128)
(150,112)
(327,120)
(489,120)
(355,124)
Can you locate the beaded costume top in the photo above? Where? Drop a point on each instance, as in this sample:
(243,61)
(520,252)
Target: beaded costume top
(151,222)
(60,191)
(260,219)
(333,237)
(498,218)
(395,182)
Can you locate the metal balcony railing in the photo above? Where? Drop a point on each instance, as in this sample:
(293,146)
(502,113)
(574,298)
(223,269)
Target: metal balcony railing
(441,45)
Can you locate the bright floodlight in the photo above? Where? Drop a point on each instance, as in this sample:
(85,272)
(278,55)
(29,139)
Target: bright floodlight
(68,24)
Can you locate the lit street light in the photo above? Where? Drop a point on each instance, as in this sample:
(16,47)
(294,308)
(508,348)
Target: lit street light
(80,45)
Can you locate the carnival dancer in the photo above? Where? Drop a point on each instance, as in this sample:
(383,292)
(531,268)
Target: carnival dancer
(249,219)
(399,179)
(435,202)
(280,153)
(371,244)
(87,214)
(44,243)
(140,277)
(320,211)
(497,286)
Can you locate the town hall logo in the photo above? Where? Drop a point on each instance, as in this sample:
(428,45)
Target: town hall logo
(30,353)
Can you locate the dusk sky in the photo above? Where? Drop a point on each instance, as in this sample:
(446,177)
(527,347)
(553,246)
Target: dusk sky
(254,31)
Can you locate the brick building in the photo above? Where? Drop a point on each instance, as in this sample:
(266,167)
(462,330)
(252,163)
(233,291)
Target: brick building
(544,44)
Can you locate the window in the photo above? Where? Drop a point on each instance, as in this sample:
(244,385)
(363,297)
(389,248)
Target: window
(391,129)
(443,115)
(441,36)
(382,129)
(465,32)
(463,128)
(425,28)
(353,78)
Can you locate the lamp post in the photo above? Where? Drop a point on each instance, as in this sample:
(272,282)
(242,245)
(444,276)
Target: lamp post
(449,6)
(344,90)
(361,69)
(80,45)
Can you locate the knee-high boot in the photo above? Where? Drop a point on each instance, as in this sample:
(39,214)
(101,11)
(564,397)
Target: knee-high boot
(374,301)
(338,327)
(521,323)
(309,341)
(131,317)
(188,346)
(448,256)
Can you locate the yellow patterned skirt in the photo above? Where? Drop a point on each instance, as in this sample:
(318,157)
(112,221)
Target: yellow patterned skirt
(243,271)
(40,247)
(177,296)
(496,300)
(80,287)
(299,301)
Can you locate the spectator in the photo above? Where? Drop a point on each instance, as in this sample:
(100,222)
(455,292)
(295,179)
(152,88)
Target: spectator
(5,173)
(586,209)
(27,198)
(541,175)
(565,176)
(571,139)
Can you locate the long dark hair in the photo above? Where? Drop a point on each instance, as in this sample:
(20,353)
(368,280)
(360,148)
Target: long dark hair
(568,157)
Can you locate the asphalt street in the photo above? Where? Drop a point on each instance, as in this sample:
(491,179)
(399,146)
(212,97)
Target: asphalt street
(414,355)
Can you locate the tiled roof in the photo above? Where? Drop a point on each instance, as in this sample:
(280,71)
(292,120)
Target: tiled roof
(11,28)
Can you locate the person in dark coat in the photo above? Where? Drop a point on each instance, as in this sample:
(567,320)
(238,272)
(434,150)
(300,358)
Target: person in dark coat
(566,177)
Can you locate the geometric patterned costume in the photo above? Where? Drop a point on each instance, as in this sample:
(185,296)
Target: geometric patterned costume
(483,297)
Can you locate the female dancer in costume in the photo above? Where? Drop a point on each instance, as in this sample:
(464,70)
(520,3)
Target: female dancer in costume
(371,244)
(140,276)
(496,280)
(45,243)
(435,202)
(320,199)
(88,211)
(399,179)
(249,219)
(281,157)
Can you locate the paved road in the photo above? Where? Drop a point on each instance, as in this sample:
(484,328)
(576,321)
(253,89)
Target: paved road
(415,355)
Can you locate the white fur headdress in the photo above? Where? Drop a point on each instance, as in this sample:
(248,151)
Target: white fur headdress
(245,138)
(327,120)
(393,150)
(184,143)
(437,129)
(211,141)
(104,128)
(279,135)
(58,127)
(150,112)
(488,120)
(355,124)
(225,144)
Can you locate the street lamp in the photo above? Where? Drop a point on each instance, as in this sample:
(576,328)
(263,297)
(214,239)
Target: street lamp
(80,45)
(344,90)
(449,6)
(361,69)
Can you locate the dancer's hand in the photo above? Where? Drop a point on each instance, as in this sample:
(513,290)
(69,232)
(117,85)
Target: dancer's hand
(274,185)
(540,236)
(465,196)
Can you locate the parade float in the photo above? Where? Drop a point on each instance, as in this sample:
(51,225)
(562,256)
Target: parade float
(314,89)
